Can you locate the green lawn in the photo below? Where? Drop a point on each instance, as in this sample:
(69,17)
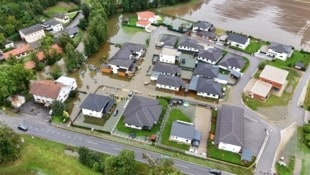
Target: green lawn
(307,98)
(96,121)
(174,115)
(254,46)
(286,170)
(72,14)
(40,156)
(305,151)
(132,21)
(290,62)
(61,7)
(247,63)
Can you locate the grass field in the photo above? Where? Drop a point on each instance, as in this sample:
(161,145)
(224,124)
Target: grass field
(286,170)
(40,156)
(175,114)
(305,152)
(61,7)
(290,62)
(307,98)
(254,46)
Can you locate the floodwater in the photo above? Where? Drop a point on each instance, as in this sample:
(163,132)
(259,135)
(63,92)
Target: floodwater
(284,21)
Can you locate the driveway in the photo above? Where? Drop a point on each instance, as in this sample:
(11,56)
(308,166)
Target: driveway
(203,124)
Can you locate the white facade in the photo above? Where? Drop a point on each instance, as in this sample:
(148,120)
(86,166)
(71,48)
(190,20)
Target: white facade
(133,126)
(168,58)
(188,49)
(32,37)
(62,97)
(180,139)
(64,20)
(57,28)
(9,45)
(203,94)
(71,82)
(115,68)
(167,87)
(44,100)
(195,28)
(151,19)
(280,56)
(229,147)
(92,113)
(206,60)
(221,81)
(229,68)
(239,45)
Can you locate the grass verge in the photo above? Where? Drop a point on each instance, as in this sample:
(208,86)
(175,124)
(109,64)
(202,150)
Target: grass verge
(286,170)
(307,99)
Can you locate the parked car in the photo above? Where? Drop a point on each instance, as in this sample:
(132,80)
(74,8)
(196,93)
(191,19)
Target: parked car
(115,112)
(22,127)
(215,171)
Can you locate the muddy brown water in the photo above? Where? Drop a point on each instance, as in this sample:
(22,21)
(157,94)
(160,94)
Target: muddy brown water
(284,21)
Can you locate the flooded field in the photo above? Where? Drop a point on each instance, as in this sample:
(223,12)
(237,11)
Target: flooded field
(285,21)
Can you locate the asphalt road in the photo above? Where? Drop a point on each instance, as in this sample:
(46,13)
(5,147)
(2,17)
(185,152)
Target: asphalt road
(44,130)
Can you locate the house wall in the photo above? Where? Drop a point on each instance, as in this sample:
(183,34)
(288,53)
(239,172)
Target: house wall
(167,87)
(66,20)
(280,56)
(45,100)
(64,93)
(229,147)
(33,36)
(195,28)
(167,58)
(133,126)
(151,20)
(241,46)
(206,60)
(220,81)
(256,96)
(203,94)
(155,75)
(9,45)
(57,28)
(180,139)
(274,84)
(115,68)
(92,113)
(188,49)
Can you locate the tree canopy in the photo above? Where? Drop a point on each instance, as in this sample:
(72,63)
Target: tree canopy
(122,164)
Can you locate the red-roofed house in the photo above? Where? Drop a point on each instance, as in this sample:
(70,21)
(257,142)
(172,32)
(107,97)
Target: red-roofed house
(145,18)
(29,65)
(18,52)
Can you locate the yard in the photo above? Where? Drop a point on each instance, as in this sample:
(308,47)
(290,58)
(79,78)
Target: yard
(305,152)
(40,156)
(254,46)
(286,170)
(246,65)
(307,98)
(290,62)
(61,7)
(174,115)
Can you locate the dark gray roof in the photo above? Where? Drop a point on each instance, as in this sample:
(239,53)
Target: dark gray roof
(123,56)
(132,47)
(183,130)
(168,40)
(232,61)
(188,42)
(32,29)
(206,70)
(207,34)
(171,81)
(280,48)
(230,125)
(203,24)
(142,111)
(72,30)
(60,16)
(211,54)
(95,102)
(166,68)
(51,22)
(237,38)
(205,85)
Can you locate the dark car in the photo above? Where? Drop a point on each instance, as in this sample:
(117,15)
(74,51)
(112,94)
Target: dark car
(22,127)
(115,112)
(215,171)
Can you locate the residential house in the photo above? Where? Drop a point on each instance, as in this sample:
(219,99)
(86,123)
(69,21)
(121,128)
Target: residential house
(229,133)
(142,112)
(123,62)
(185,132)
(72,31)
(8,44)
(32,33)
(145,19)
(206,70)
(207,35)
(53,26)
(273,75)
(188,44)
(97,105)
(165,69)
(237,40)
(202,26)
(67,81)
(47,91)
(211,55)
(18,52)
(205,87)
(260,90)
(232,62)
(169,82)
(280,51)
(62,18)
(169,55)
(167,40)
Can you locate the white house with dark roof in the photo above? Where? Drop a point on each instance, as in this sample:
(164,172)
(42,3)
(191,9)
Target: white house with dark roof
(237,40)
(169,82)
(232,62)
(188,44)
(205,87)
(53,26)
(169,55)
(202,26)
(165,69)
(142,112)
(185,132)
(62,18)
(68,81)
(211,55)
(32,33)
(205,70)
(97,105)
(167,40)
(229,133)
(280,51)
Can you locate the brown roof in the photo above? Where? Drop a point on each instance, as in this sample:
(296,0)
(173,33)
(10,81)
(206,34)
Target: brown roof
(146,14)
(46,88)
(41,56)
(17,51)
(29,65)
(261,88)
(274,74)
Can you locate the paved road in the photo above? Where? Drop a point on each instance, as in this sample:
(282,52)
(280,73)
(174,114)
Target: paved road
(76,20)
(42,129)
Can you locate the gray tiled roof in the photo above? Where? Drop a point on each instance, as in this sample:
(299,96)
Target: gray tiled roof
(206,70)
(166,68)
(95,102)
(203,24)
(122,57)
(211,54)
(171,81)
(60,16)
(132,47)
(232,61)
(280,48)
(183,130)
(72,30)
(168,40)
(237,38)
(51,22)
(205,85)
(188,42)
(142,111)
(32,29)
(230,125)
(207,34)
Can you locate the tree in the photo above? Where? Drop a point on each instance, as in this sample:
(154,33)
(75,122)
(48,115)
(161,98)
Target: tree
(91,159)
(58,108)
(122,164)
(163,166)
(10,144)
(86,10)
(56,72)
(73,59)
(65,39)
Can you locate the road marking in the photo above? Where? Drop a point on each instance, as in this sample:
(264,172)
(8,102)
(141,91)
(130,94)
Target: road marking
(91,142)
(251,118)
(181,165)
(116,148)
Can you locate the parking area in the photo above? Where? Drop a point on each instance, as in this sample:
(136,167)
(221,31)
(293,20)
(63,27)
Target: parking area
(35,109)
(203,124)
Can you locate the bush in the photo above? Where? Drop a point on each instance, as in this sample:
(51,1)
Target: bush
(90,159)
(306,128)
